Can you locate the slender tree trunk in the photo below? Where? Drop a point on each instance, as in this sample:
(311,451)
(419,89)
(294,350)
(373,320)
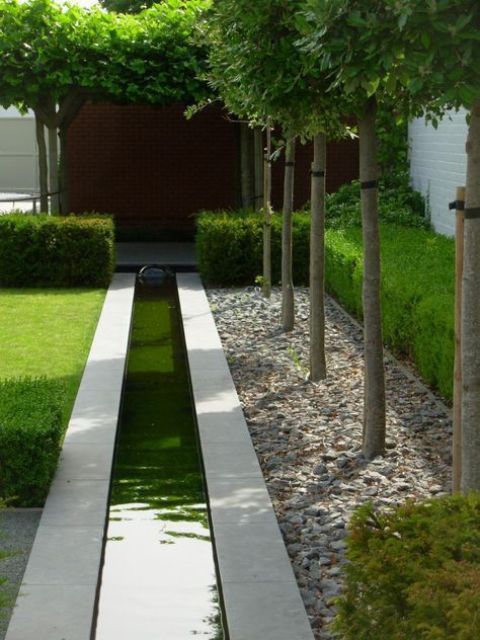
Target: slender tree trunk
(258,164)
(318,366)
(245,165)
(64,200)
(53,168)
(288,297)
(471,313)
(374,407)
(42,163)
(267,220)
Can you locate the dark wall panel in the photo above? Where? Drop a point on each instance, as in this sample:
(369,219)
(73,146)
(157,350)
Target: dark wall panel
(153,168)
(150,167)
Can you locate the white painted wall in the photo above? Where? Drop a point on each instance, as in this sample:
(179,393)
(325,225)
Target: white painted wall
(438,165)
(18,152)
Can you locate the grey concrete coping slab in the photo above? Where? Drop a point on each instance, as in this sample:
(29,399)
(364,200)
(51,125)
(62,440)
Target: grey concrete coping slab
(58,593)
(239,501)
(168,253)
(261,610)
(260,594)
(52,612)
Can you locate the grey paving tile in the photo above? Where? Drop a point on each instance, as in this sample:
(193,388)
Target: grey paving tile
(62,556)
(213,385)
(240,501)
(47,612)
(223,427)
(76,503)
(215,401)
(265,611)
(204,361)
(252,552)
(231,460)
(103,374)
(85,462)
(94,417)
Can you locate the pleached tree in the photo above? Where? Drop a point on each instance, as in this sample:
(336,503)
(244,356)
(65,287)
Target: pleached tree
(53,58)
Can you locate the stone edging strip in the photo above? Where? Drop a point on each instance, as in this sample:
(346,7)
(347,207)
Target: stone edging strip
(260,594)
(58,593)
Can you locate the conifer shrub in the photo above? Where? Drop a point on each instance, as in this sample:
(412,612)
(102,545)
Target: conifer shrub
(31,431)
(413,573)
(56,251)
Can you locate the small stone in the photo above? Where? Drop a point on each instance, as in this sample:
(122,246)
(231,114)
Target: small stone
(338,545)
(320,469)
(330,455)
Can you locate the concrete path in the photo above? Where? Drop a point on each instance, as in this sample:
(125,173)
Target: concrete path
(260,592)
(58,592)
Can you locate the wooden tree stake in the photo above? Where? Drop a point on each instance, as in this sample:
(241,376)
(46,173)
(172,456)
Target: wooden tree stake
(457,383)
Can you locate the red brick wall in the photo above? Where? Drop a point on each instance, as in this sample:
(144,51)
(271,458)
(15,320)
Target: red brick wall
(153,168)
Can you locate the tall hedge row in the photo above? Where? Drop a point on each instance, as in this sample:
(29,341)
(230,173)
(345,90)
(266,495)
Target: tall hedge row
(54,251)
(417,278)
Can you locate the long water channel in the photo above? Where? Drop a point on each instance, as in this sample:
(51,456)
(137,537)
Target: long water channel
(158,580)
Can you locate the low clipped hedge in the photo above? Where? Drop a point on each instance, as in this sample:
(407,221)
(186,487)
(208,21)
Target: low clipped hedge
(413,573)
(229,247)
(56,251)
(417,281)
(31,431)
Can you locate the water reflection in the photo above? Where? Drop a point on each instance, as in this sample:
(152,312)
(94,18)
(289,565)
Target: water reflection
(158,580)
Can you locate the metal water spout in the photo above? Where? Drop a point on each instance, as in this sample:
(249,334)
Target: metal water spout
(154,274)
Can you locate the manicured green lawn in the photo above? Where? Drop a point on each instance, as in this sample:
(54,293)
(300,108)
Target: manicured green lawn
(48,332)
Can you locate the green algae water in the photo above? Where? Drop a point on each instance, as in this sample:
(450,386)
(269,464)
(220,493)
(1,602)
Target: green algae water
(158,580)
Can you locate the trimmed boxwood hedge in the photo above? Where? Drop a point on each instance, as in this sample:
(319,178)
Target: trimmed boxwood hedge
(31,431)
(417,280)
(56,251)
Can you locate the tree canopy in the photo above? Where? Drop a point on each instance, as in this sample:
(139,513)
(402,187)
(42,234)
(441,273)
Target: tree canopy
(47,50)
(259,69)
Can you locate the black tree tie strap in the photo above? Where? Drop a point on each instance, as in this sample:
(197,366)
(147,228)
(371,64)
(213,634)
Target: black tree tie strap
(370,184)
(289,164)
(317,174)
(472,213)
(458,205)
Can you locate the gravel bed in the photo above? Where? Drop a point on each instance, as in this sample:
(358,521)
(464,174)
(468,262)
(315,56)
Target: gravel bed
(308,436)
(17,532)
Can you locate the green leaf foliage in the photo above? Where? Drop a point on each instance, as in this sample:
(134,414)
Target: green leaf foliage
(412,56)
(413,572)
(48,50)
(30,437)
(41,250)
(259,70)
(442,38)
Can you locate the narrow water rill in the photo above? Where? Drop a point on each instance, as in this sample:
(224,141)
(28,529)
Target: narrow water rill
(158,580)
